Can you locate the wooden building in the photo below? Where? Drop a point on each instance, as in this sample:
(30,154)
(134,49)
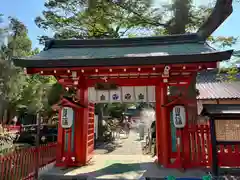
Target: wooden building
(149,61)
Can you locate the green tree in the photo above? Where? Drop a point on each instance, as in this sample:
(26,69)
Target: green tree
(19,43)
(20,92)
(71,19)
(116,19)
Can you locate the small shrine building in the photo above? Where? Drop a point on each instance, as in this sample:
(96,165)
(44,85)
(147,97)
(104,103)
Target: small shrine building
(158,62)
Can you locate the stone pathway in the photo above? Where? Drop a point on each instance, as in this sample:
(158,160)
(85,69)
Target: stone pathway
(123,146)
(121,160)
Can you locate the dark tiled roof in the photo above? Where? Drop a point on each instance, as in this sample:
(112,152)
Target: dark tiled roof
(212,85)
(176,49)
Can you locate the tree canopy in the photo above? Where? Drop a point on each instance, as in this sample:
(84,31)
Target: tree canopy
(20,92)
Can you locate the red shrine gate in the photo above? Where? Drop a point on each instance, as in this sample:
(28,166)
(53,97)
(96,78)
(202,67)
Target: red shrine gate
(158,61)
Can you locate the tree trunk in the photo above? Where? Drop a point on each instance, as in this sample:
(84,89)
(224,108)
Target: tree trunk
(178,24)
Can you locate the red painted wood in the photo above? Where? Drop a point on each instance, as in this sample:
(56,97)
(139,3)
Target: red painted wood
(60,142)
(199,146)
(81,128)
(21,164)
(209,144)
(204,143)
(229,156)
(178,162)
(90,141)
(78,136)
(194,141)
(145,81)
(158,123)
(186,138)
(165,125)
(69,150)
(120,69)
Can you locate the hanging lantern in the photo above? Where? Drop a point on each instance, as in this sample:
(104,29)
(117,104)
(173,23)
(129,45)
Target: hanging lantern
(179,116)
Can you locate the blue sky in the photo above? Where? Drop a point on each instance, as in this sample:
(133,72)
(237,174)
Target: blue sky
(27,10)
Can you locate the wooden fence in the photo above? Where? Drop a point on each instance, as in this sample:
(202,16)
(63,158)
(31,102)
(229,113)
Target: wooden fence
(199,154)
(21,164)
(200,149)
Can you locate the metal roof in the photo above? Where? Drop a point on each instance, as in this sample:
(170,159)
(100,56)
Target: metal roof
(213,85)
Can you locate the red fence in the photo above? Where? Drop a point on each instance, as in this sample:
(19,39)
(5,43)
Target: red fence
(200,149)
(229,155)
(200,146)
(21,164)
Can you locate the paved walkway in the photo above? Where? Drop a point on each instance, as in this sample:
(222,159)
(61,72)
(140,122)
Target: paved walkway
(121,160)
(123,146)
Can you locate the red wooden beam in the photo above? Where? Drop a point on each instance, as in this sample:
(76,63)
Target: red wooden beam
(147,81)
(121,69)
(127,81)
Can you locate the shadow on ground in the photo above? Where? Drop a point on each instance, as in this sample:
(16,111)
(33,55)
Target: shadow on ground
(127,171)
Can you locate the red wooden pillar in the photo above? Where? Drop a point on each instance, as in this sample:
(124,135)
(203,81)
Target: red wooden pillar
(162,125)
(60,140)
(81,125)
(158,123)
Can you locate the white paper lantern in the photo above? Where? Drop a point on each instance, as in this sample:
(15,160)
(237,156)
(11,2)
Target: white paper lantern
(67,117)
(179,116)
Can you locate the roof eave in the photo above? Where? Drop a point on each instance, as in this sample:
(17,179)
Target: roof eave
(124,61)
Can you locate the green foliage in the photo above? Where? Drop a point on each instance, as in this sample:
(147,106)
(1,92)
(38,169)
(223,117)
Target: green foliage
(74,19)
(116,109)
(223,42)
(126,18)
(54,94)
(232,73)
(21,92)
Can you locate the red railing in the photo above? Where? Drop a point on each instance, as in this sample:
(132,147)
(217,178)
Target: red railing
(21,164)
(229,155)
(200,146)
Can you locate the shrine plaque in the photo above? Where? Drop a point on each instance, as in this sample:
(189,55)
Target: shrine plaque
(115,95)
(92,95)
(151,93)
(227,130)
(102,96)
(179,116)
(67,117)
(140,93)
(128,94)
